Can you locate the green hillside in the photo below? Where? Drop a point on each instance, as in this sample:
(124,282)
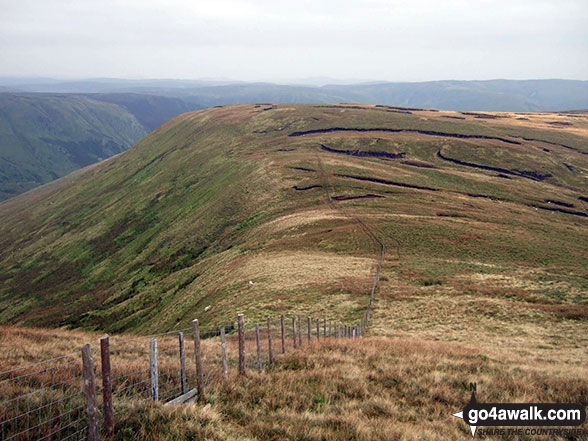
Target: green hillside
(44,136)
(484,217)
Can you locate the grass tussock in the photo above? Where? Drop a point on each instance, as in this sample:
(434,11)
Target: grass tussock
(381,389)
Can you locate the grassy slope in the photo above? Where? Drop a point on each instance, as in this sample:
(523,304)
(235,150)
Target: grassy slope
(381,389)
(489,289)
(146,240)
(48,136)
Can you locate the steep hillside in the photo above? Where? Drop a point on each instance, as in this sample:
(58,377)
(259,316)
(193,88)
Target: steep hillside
(150,110)
(484,217)
(43,137)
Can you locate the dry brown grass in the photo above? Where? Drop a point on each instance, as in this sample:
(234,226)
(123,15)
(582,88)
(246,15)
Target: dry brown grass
(379,388)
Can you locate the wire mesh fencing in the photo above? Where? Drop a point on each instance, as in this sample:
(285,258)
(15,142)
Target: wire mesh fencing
(43,401)
(51,400)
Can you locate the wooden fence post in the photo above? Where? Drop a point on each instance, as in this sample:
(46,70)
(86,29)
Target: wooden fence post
(241,323)
(198,357)
(309,328)
(283,328)
(224,352)
(182,362)
(90,392)
(269,341)
(153,374)
(299,332)
(318,329)
(258,348)
(294,331)
(106,386)
(330,328)
(324,327)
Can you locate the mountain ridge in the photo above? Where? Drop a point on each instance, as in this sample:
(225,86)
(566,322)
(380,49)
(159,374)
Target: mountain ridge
(215,198)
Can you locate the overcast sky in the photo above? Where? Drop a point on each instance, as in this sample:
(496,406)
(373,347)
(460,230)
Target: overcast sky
(412,40)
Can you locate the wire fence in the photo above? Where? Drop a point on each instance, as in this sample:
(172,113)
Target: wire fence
(66,399)
(52,400)
(43,401)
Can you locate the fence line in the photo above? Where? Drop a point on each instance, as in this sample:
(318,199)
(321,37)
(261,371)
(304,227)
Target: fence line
(368,231)
(77,397)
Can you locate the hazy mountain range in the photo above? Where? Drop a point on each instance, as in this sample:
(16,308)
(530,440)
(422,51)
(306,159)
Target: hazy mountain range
(492,95)
(50,127)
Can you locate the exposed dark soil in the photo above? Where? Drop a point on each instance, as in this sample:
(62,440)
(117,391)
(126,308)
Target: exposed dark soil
(484,115)
(452,117)
(297,188)
(560,123)
(443,214)
(285,150)
(555,143)
(583,199)
(473,195)
(414,109)
(485,196)
(561,210)
(378,107)
(560,203)
(363,196)
(398,111)
(418,164)
(522,173)
(500,175)
(422,132)
(386,182)
(303,169)
(335,106)
(569,167)
(364,153)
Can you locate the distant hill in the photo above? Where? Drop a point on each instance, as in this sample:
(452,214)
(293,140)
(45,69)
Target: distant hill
(45,136)
(150,110)
(492,95)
